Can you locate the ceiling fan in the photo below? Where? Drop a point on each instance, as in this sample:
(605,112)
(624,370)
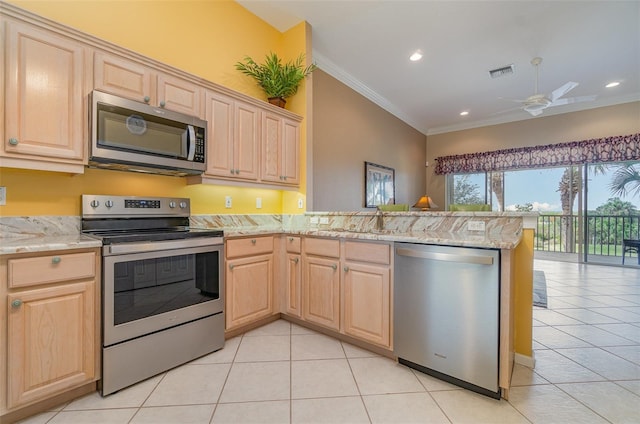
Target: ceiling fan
(538,102)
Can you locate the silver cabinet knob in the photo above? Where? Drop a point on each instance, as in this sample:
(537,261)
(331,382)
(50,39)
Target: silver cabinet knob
(147,99)
(334,266)
(56,260)
(253,241)
(162,103)
(231,266)
(346,269)
(13,141)
(296,260)
(16,303)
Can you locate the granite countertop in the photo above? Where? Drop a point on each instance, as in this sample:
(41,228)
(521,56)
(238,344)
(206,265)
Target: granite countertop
(425,237)
(9,245)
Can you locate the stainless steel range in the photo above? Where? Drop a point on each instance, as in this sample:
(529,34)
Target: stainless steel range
(162,286)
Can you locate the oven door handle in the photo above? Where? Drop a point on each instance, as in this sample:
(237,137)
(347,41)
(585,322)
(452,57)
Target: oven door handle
(125,248)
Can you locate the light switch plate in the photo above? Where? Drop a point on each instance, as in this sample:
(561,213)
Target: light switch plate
(227,201)
(258,202)
(300,203)
(3,196)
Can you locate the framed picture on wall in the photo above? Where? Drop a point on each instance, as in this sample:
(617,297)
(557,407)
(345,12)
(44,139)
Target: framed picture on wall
(379,184)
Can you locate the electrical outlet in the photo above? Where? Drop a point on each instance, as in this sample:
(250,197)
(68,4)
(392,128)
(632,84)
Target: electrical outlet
(324,220)
(227,201)
(475,226)
(313,220)
(3,196)
(258,202)
(300,203)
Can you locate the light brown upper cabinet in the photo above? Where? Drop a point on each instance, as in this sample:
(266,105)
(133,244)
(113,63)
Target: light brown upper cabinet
(233,138)
(136,81)
(280,149)
(44,100)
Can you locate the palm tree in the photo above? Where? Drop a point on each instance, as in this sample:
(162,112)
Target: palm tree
(568,187)
(626,179)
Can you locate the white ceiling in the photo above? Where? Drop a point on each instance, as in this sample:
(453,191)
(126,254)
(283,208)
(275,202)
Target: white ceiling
(366,45)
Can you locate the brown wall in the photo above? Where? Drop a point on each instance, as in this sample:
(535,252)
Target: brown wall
(348,130)
(607,121)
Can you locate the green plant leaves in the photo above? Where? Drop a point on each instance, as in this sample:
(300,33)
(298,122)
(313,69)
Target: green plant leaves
(275,78)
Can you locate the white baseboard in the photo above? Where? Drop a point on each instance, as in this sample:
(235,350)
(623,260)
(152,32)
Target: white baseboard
(527,361)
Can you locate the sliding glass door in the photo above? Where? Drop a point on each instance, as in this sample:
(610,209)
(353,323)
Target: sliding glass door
(612,205)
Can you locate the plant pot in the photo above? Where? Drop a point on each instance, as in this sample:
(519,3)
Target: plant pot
(278,101)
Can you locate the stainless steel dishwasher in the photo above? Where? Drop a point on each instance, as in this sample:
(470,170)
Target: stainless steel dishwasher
(446,313)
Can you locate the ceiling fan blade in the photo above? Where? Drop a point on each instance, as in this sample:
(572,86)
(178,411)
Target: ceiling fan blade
(559,92)
(507,110)
(509,99)
(570,100)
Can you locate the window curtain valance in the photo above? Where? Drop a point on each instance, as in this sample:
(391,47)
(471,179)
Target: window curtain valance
(598,150)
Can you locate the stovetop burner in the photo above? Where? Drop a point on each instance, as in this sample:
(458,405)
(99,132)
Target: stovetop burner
(113,237)
(126,219)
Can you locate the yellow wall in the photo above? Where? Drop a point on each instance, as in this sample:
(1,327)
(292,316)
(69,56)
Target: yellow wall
(205,38)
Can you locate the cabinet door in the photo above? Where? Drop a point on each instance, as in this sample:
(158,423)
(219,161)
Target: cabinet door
(293,281)
(44,98)
(122,77)
(367,305)
(219,115)
(280,150)
(290,152)
(246,140)
(249,294)
(179,95)
(271,140)
(321,293)
(51,341)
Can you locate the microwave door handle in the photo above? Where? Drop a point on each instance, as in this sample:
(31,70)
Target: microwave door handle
(191,139)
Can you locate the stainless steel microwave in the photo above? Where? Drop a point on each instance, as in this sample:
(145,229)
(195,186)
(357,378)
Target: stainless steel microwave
(132,136)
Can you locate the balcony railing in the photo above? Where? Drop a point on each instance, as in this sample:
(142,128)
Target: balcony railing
(604,233)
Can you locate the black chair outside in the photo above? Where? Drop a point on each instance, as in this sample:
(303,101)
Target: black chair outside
(630,246)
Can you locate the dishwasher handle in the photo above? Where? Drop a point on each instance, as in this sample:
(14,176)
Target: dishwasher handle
(445,257)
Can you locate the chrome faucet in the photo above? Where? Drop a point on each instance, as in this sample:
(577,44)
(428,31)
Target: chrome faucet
(379,220)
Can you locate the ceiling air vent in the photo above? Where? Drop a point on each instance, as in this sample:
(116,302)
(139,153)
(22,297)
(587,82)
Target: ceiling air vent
(500,72)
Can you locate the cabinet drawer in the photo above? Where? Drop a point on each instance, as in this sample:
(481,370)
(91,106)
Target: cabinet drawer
(249,246)
(367,252)
(293,244)
(322,247)
(23,272)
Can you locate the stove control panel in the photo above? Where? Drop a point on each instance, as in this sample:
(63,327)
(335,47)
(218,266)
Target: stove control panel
(94,206)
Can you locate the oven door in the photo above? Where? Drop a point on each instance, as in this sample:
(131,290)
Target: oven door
(154,290)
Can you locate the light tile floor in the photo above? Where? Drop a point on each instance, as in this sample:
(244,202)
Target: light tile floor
(587,351)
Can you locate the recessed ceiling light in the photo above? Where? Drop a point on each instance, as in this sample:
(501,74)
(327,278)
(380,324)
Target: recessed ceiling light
(613,84)
(416,56)
(464,113)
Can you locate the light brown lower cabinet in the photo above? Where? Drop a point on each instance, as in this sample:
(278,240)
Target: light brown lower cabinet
(51,310)
(367,302)
(249,280)
(321,291)
(346,286)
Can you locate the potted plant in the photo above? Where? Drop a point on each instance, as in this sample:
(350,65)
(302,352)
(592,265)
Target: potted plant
(278,80)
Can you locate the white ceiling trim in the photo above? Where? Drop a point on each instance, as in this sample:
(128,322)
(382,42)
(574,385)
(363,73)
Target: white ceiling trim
(344,77)
(547,112)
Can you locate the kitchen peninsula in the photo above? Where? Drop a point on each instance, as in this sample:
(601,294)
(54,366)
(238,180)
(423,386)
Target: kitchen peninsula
(312,269)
